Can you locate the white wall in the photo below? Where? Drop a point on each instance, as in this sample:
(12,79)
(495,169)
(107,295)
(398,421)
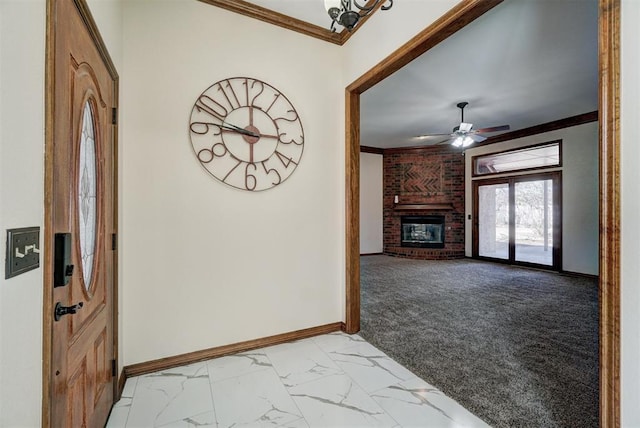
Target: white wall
(630,199)
(22,42)
(579,193)
(205,264)
(371,203)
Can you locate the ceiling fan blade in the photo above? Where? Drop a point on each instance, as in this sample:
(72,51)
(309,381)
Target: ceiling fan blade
(493,129)
(447,141)
(477,138)
(431,135)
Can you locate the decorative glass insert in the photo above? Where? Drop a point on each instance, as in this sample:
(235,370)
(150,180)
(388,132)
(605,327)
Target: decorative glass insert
(87,186)
(543,156)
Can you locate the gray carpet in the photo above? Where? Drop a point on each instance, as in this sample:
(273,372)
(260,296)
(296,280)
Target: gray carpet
(517,347)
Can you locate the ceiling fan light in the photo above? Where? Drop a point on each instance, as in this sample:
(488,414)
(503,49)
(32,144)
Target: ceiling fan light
(457,142)
(467,141)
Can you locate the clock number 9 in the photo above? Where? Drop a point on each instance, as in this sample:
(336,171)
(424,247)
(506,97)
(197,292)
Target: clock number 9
(197,128)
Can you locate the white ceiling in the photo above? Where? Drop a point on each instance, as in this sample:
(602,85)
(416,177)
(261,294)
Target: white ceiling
(523,63)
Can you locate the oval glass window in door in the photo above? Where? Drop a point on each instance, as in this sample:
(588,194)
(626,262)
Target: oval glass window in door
(87,189)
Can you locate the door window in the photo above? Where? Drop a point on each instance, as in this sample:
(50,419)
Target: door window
(87,194)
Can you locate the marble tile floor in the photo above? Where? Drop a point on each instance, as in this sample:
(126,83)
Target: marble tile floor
(333,380)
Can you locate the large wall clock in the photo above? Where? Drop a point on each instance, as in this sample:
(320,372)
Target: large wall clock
(246,133)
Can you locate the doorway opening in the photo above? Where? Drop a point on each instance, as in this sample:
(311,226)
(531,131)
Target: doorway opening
(609,249)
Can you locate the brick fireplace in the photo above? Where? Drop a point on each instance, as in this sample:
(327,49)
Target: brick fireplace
(424,187)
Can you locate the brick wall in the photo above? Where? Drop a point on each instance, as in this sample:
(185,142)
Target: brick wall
(425,176)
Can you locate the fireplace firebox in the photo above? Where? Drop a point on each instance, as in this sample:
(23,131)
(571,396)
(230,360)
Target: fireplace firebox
(422,231)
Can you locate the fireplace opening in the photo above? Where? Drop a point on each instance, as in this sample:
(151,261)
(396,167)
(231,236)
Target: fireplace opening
(422,231)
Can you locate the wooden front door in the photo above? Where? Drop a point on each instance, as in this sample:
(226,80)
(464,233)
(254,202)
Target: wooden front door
(82,208)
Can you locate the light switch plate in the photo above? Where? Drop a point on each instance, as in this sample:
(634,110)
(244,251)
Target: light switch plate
(23,251)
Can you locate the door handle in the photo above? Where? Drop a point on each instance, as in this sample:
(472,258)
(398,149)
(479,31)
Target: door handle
(60,310)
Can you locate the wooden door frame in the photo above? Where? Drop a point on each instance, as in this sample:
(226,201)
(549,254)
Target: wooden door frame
(47,314)
(609,169)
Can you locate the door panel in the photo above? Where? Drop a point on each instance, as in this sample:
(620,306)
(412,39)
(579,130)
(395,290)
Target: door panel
(534,222)
(83,203)
(493,220)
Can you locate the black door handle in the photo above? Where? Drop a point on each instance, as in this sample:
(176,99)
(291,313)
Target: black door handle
(60,310)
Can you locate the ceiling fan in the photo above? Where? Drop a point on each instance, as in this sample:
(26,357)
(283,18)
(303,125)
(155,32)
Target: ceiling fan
(463,135)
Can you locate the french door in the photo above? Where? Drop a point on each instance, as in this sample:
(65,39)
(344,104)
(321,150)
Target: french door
(518,220)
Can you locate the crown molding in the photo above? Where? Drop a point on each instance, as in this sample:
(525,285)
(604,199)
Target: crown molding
(567,122)
(275,18)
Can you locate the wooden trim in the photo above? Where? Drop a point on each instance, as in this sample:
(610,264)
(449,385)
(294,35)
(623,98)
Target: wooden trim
(220,351)
(521,133)
(609,72)
(422,207)
(579,274)
(352,232)
(122,380)
(371,254)
(374,150)
(609,118)
(414,150)
(474,160)
(545,127)
(284,21)
(346,35)
(266,15)
(47,256)
(458,17)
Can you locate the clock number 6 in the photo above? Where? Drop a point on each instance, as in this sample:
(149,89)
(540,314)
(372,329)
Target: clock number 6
(250,178)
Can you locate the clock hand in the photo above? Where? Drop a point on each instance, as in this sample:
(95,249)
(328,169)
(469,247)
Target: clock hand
(237,129)
(268,136)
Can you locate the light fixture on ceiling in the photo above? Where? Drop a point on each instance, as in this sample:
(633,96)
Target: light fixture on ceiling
(462,141)
(341,13)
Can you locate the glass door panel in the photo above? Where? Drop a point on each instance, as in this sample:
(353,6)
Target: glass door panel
(534,222)
(493,221)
